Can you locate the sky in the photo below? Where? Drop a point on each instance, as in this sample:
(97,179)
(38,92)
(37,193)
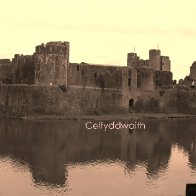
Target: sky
(102,31)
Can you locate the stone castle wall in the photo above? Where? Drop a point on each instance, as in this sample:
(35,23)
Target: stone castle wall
(145,79)
(23,69)
(129,79)
(35,100)
(5,61)
(163,79)
(58,87)
(5,71)
(160,101)
(25,100)
(50,65)
(84,74)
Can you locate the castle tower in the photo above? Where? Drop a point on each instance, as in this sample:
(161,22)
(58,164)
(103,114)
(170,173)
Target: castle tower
(132,59)
(193,71)
(154,59)
(23,69)
(52,63)
(165,63)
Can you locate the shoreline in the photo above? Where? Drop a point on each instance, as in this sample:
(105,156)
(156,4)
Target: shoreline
(105,117)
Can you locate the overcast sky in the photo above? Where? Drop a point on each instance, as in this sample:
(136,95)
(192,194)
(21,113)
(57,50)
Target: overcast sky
(102,31)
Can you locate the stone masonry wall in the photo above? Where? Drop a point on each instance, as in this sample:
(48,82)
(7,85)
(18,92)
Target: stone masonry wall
(129,79)
(23,69)
(145,79)
(163,79)
(95,76)
(154,59)
(165,63)
(25,100)
(193,71)
(6,74)
(192,101)
(160,101)
(52,63)
(132,59)
(5,71)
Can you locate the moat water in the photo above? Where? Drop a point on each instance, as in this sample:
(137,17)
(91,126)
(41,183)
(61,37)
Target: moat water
(64,158)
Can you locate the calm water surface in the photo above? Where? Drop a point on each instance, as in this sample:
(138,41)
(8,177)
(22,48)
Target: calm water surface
(63,158)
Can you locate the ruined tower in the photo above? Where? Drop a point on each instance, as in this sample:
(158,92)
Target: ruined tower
(154,59)
(52,63)
(165,63)
(193,71)
(132,59)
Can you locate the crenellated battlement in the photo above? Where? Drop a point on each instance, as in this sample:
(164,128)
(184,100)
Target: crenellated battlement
(22,59)
(59,48)
(4,61)
(155,61)
(155,52)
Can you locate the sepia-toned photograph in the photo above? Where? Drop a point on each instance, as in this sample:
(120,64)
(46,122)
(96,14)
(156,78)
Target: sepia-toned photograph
(98,98)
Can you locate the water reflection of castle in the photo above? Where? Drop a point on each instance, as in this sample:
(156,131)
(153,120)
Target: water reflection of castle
(47,151)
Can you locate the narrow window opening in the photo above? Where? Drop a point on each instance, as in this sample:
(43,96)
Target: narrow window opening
(129,81)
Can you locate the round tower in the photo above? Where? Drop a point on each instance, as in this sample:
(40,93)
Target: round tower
(52,63)
(132,59)
(155,59)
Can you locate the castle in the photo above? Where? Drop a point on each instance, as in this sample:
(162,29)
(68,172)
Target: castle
(47,83)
